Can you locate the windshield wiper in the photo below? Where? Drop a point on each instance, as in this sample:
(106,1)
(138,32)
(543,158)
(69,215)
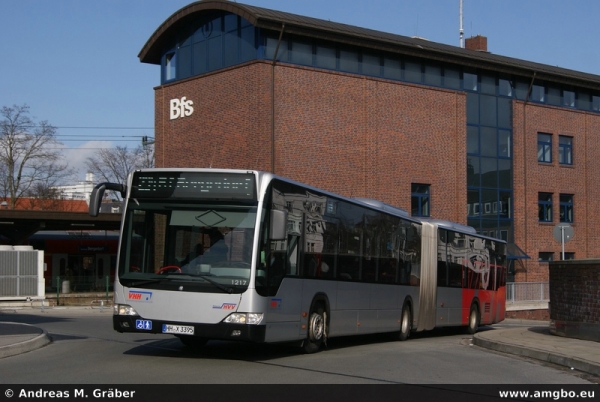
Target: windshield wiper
(175,276)
(227,289)
(144,282)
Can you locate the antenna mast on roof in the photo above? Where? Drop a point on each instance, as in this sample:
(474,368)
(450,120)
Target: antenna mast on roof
(460,30)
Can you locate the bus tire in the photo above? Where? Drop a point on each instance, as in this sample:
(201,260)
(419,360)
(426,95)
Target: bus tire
(474,319)
(194,342)
(405,323)
(316,330)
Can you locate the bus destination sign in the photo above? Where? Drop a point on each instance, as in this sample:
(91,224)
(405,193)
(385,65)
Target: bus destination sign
(193,185)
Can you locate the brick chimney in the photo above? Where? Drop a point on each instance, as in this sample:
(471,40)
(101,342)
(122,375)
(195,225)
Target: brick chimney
(478,43)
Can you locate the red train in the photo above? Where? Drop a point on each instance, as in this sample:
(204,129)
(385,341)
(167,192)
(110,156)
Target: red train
(87,259)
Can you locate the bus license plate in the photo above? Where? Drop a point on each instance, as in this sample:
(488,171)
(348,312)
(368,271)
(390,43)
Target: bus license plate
(177,329)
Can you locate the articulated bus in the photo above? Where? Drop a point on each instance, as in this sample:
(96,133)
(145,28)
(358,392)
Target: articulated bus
(246,255)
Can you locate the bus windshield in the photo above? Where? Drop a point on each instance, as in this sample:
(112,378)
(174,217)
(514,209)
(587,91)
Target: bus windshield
(208,246)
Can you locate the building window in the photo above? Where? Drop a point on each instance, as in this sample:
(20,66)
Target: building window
(470,82)
(582,100)
(545,207)
(504,205)
(505,87)
(568,256)
(565,150)
(537,93)
(433,75)
(349,60)
(553,96)
(544,148)
(566,208)
(568,98)
(170,66)
(325,56)
(504,142)
(371,64)
(545,257)
(302,52)
(420,199)
(488,84)
(207,44)
(596,103)
(412,71)
(451,78)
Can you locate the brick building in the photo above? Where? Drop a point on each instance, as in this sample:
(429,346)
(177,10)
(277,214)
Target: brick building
(504,145)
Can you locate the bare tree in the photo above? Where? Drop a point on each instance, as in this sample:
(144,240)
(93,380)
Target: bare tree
(29,154)
(42,197)
(114,164)
(145,156)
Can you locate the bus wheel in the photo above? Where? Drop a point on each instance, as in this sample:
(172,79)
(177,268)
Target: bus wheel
(316,330)
(194,342)
(405,323)
(473,320)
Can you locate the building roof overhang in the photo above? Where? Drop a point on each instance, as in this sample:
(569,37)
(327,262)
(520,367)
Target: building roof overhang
(363,37)
(17,225)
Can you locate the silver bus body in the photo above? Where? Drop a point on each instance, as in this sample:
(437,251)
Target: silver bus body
(344,291)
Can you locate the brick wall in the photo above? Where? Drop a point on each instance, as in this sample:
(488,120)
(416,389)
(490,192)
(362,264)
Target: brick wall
(575,298)
(352,135)
(532,177)
(230,125)
(535,314)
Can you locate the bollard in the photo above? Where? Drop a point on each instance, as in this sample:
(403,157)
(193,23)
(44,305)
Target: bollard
(58,290)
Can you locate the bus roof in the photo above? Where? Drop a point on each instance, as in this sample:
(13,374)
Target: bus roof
(382,206)
(267,177)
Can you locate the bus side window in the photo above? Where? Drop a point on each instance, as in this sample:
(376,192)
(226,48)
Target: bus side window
(442,271)
(404,272)
(312,265)
(346,267)
(292,255)
(369,270)
(327,265)
(389,271)
(276,269)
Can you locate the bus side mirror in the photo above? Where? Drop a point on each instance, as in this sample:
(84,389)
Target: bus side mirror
(98,194)
(278,229)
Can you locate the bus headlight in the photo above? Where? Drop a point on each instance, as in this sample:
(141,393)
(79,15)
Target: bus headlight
(124,309)
(244,318)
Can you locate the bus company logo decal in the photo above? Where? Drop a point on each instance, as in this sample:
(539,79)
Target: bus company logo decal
(275,303)
(225,306)
(137,295)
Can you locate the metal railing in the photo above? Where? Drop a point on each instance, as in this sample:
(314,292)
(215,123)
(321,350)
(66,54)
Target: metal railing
(79,284)
(527,292)
(64,285)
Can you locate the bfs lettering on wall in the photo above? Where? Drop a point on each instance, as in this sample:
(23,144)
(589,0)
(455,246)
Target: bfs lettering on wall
(180,108)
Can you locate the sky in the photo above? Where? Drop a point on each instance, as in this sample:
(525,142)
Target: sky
(75,62)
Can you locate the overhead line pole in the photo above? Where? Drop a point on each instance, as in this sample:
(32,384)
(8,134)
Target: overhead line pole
(460,30)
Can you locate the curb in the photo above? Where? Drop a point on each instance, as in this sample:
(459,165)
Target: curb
(537,354)
(39,341)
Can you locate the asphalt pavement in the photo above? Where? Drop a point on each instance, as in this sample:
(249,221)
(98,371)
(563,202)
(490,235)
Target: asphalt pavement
(531,339)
